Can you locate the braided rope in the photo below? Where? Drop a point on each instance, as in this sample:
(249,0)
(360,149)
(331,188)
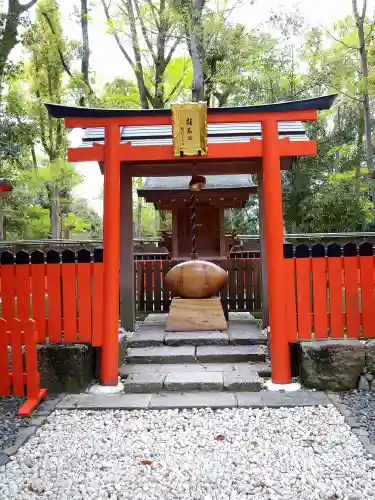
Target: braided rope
(193,200)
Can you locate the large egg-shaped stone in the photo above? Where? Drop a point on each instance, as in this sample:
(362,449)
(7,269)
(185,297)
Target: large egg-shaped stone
(196,279)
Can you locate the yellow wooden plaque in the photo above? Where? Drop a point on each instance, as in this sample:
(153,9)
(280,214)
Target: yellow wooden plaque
(189,129)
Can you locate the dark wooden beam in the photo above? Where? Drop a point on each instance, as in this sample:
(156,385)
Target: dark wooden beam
(127,281)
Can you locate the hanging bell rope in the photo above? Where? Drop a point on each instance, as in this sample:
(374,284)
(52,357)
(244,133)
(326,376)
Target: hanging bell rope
(197,183)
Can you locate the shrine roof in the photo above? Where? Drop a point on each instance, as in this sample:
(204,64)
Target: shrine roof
(180,183)
(318,103)
(158,135)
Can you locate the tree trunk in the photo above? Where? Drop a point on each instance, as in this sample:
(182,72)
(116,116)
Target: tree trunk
(138,229)
(137,56)
(2,236)
(9,38)
(55,213)
(160,66)
(163,220)
(360,20)
(359,154)
(197,91)
(85,61)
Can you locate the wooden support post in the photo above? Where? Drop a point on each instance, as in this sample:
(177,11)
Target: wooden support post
(280,355)
(111,246)
(223,254)
(127,292)
(263,253)
(174,233)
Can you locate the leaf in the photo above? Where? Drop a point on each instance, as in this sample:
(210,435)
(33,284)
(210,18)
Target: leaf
(220,437)
(146,461)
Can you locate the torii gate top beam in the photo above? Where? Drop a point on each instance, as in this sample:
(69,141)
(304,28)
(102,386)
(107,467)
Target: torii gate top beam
(303,110)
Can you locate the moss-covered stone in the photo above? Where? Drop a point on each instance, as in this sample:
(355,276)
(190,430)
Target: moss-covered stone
(370,357)
(65,367)
(332,365)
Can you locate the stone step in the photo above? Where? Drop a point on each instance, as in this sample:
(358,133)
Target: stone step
(230,353)
(151,335)
(143,338)
(263,368)
(196,338)
(163,354)
(235,380)
(245,333)
(190,354)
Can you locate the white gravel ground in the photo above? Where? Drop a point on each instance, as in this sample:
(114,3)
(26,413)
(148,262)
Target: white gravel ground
(269,454)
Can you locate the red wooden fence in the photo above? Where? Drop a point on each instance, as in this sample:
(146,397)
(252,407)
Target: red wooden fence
(330,293)
(62,293)
(19,368)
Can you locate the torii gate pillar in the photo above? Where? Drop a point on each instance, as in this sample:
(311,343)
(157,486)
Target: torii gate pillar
(111,246)
(274,235)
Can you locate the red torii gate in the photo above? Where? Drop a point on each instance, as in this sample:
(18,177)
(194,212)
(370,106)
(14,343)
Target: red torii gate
(264,157)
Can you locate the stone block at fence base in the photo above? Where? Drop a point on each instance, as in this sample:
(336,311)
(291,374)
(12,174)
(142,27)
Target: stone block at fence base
(65,367)
(370,357)
(332,365)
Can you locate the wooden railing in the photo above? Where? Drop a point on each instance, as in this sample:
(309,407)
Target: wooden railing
(329,291)
(242,293)
(18,342)
(61,291)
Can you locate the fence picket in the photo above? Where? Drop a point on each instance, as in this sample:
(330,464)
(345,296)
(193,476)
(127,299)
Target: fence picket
(84,295)
(54,296)
(157,285)
(5,382)
(351,291)
(290,294)
(366,266)
(69,295)
(319,286)
(8,286)
(149,285)
(240,270)
(31,361)
(249,284)
(38,293)
(335,298)
(141,286)
(257,285)
(167,265)
(17,358)
(232,284)
(22,282)
(303,292)
(224,292)
(97,300)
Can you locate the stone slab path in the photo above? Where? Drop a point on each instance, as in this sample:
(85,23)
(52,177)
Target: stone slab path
(194,399)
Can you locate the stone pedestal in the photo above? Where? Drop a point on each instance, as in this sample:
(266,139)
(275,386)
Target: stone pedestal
(196,315)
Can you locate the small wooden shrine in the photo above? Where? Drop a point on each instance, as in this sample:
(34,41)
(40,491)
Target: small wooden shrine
(221,192)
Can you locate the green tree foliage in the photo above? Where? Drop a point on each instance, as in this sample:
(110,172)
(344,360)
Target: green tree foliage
(32,145)
(154,36)
(173,47)
(44,71)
